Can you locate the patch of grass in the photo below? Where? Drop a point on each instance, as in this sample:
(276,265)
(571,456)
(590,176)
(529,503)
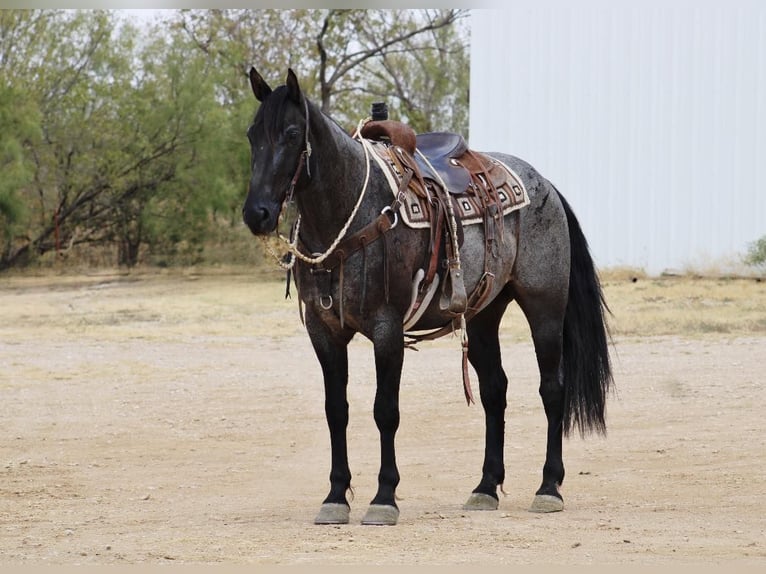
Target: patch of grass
(686,305)
(245,300)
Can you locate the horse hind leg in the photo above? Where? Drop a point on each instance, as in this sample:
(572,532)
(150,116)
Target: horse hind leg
(546,321)
(484,355)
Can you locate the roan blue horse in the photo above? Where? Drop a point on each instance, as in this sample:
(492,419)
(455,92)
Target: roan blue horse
(359,269)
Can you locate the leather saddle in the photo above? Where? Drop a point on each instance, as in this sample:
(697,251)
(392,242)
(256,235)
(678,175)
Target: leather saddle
(440,150)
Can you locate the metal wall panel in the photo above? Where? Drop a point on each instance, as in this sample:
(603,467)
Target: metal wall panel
(650,119)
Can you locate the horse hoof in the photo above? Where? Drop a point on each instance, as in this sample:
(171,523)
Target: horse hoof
(546,503)
(381,515)
(481,501)
(333,513)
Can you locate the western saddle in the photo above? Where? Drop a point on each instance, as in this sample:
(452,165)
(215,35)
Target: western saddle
(443,169)
(439,168)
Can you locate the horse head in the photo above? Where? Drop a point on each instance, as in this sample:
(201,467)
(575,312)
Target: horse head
(279,150)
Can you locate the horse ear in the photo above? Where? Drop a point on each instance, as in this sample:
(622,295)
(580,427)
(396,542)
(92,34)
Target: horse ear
(260,88)
(293,89)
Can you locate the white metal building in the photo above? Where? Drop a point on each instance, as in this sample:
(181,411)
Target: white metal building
(650,117)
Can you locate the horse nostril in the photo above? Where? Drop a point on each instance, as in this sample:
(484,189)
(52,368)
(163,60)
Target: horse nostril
(255,217)
(260,215)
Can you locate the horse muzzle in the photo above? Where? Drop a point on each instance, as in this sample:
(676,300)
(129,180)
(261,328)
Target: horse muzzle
(260,218)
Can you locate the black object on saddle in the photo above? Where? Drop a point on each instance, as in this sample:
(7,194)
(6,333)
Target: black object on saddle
(379,111)
(440,148)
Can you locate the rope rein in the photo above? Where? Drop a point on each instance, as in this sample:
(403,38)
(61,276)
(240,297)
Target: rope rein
(292,245)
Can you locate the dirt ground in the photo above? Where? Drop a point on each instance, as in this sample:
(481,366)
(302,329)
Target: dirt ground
(158,419)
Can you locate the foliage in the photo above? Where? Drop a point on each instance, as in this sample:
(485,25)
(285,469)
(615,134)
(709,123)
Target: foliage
(395,53)
(756,253)
(132,139)
(413,80)
(346,59)
(55,81)
(20,125)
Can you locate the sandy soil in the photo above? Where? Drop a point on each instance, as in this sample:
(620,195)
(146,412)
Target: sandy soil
(156,420)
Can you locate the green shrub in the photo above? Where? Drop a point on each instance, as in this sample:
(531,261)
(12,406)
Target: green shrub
(756,253)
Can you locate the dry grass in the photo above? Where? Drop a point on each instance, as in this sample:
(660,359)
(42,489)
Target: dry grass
(687,306)
(235,300)
(148,304)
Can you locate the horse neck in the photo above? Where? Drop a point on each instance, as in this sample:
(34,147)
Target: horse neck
(338,172)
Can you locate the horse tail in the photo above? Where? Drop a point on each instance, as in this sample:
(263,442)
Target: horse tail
(586,366)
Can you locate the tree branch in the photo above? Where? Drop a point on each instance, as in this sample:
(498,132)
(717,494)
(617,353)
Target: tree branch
(354,59)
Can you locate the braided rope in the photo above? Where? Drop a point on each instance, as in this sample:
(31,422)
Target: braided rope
(292,246)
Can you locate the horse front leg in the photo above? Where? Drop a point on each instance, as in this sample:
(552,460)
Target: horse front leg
(332,352)
(388,342)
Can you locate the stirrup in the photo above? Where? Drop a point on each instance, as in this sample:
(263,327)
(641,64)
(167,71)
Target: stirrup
(454,299)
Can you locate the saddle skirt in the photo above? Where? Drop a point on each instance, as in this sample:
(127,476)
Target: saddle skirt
(444,160)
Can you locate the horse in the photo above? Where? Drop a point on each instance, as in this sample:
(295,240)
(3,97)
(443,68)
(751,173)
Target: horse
(543,262)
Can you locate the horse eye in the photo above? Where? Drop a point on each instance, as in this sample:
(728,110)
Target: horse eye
(293,134)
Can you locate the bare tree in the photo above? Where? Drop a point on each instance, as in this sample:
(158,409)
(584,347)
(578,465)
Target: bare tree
(349,39)
(391,53)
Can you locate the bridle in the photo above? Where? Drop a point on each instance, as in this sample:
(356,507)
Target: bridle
(304,157)
(292,243)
